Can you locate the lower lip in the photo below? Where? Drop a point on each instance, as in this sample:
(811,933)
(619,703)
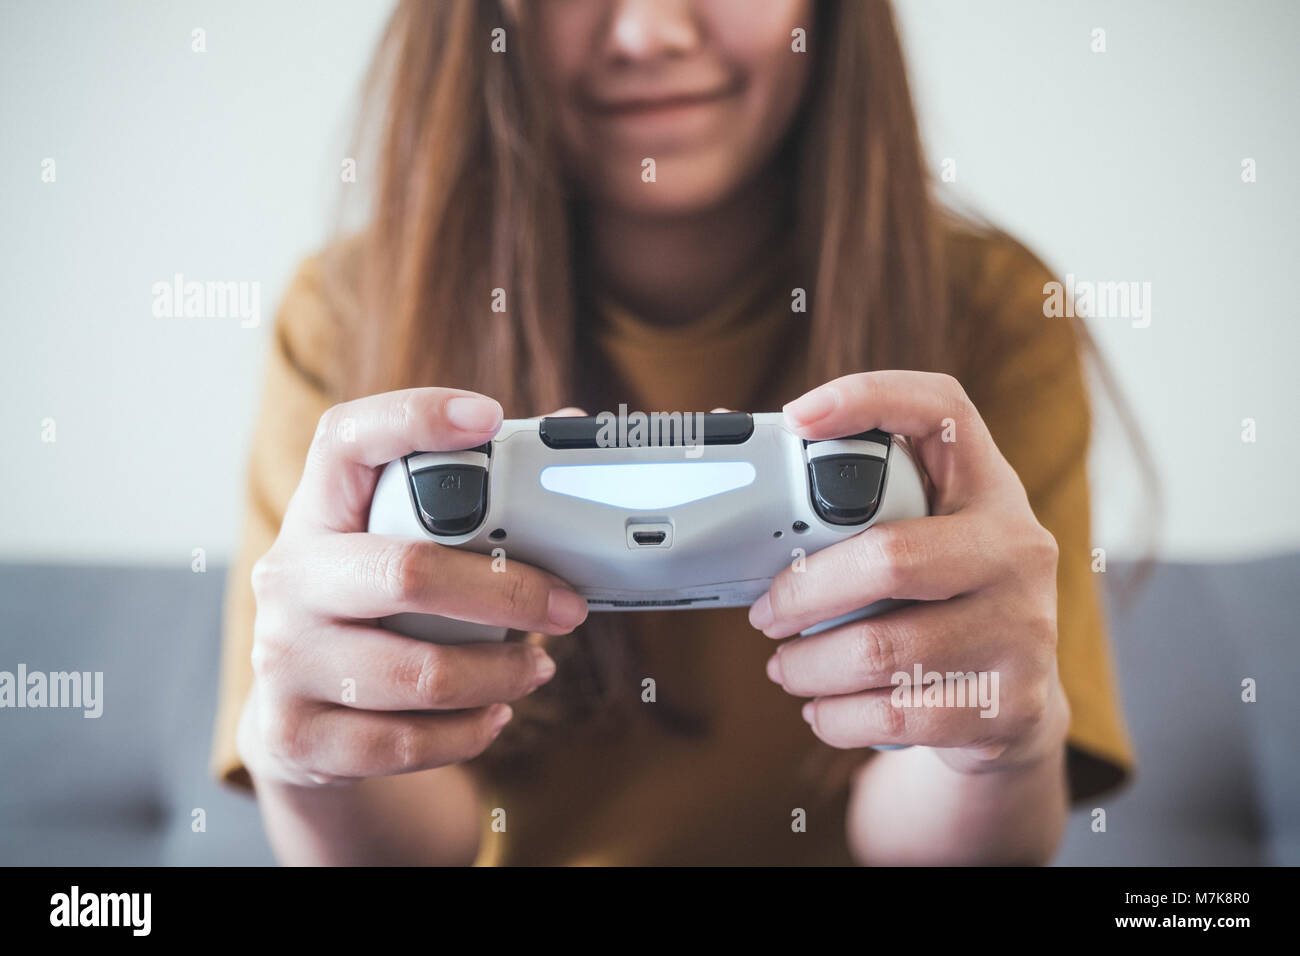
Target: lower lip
(672,120)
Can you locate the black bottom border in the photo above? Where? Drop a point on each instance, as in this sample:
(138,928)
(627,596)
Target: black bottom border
(306,905)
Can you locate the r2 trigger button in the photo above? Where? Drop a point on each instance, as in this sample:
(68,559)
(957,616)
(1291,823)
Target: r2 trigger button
(846,488)
(452,498)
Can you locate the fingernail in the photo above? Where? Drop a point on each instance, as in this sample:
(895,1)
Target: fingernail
(565,609)
(473,413)
(760,615)
(500,717)
(544,668)
(774,668)
(807,712)
(810,407)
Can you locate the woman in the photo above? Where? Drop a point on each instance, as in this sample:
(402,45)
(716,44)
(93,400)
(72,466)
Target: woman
(680,206)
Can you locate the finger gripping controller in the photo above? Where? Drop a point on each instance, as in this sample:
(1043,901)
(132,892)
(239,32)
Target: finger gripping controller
(704,516)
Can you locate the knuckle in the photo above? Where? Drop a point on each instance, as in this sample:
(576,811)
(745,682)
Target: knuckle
(427,675)
(398,571)
(1065,710)
(1046,550)
(266,572)
(947,383)
(267,657)
(272,653)
(408,411)
(523,596)
(286,734)
(327,426)
(892,721)
(512,594)
(892,556)
(1042,626)
(874,651)
(406,744)
(892,547)
(953,391)
(1031,707)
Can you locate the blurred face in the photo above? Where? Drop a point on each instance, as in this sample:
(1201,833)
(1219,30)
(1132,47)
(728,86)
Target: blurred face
(704,88)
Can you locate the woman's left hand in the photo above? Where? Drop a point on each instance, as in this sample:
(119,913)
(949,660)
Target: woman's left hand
(981,565)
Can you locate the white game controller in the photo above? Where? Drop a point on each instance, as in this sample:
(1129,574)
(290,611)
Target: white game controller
(691,518)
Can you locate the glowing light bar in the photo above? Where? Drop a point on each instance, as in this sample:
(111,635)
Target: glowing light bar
(651,486)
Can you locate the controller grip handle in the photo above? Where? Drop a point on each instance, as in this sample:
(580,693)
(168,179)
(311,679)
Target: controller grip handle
(861,614)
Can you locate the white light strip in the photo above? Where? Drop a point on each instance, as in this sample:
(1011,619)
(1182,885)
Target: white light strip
(651,486)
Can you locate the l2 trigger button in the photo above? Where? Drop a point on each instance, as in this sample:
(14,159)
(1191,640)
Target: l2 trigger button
(846,488)
(452,498)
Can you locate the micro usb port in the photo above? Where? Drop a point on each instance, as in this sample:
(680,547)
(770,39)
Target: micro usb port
(642,534)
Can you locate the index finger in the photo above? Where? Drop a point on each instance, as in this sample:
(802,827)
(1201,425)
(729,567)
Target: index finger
(355,438)
(949,435)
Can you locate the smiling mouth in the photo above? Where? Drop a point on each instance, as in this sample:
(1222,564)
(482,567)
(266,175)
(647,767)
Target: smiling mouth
(650,106)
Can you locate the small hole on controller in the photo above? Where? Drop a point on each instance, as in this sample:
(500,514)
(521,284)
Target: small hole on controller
(777,534)
(799,527)
(498,535)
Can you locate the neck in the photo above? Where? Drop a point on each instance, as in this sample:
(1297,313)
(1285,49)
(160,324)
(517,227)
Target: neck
(671,271)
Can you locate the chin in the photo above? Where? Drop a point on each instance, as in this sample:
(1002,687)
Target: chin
(682,187)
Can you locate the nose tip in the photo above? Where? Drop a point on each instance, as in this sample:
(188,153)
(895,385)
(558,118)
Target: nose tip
(642,29)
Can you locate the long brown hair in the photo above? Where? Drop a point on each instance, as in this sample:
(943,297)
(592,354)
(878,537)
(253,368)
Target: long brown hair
(470,198)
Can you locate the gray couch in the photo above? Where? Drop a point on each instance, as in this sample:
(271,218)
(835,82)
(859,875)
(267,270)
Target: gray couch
(1219,781)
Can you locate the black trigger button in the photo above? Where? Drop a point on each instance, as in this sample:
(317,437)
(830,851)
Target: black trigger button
(875,435)
(452,499)
(846,488)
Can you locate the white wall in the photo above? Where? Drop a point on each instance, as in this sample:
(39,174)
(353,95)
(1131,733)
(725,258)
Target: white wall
(224,166)
(221,165)
(1126,165)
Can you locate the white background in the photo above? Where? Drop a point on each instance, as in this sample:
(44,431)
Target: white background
(224,165)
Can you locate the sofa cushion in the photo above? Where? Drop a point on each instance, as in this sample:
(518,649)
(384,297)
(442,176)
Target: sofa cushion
(1217,781)
(121,788)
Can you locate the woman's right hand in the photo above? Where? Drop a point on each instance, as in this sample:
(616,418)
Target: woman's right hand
(335,698)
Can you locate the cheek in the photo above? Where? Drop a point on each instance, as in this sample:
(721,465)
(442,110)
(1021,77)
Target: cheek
(775,91)
(759,39)
(565,41)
